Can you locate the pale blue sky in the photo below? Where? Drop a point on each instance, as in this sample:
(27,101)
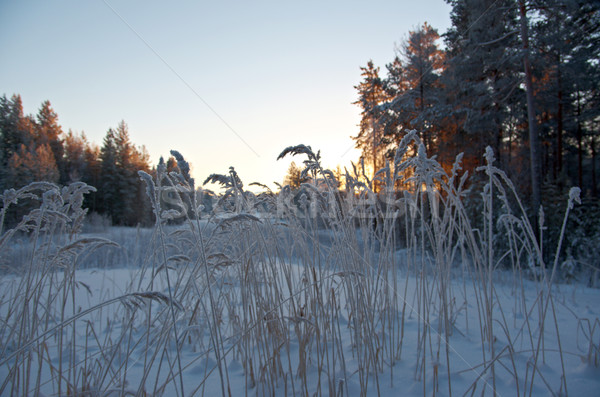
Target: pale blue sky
(279,73)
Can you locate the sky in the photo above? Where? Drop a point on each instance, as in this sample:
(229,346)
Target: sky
(229,83)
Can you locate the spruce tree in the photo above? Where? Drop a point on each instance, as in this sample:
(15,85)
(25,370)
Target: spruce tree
(108,186)
(128,178)
(92,176)
(49,132)
(15,130)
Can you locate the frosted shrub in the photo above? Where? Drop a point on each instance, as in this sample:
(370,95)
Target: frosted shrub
(96,223)
(568,268)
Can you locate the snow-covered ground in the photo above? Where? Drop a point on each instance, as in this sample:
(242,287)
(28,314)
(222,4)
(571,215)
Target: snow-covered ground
(120,348)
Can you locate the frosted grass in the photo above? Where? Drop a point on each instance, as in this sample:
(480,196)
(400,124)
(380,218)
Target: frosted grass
(386,288)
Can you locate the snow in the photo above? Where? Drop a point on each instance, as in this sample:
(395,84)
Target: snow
(576,308)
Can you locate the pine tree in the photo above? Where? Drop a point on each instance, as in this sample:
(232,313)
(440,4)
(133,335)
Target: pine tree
(564,50)
(534,144)
(552,42)
(423,65)
(75,164)
(370,140)
(413,84)
(483,76)
(293,178)
(583,82)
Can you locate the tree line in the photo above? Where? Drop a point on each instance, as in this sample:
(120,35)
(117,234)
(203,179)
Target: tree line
(520,76)
(34,148)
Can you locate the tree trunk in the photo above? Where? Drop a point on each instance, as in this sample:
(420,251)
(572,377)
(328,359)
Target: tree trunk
(559,122)
(374,140)
(594,186)
(533,133)
(422,109)
(579,145)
